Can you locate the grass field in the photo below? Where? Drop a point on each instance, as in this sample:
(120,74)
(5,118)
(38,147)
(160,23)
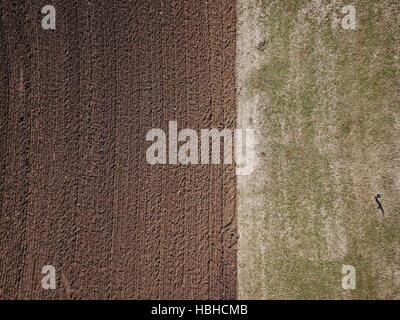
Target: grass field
(325,105)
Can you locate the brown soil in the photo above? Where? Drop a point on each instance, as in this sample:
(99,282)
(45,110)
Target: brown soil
(76,190)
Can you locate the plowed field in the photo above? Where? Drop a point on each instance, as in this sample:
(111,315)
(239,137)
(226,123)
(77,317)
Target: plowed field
(76,190)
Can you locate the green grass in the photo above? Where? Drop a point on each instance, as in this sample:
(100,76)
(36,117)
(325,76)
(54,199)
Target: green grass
(331,110)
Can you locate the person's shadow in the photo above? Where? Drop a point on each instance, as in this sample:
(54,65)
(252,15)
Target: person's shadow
(377,197)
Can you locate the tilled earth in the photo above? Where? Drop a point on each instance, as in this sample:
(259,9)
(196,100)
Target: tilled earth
(76,190)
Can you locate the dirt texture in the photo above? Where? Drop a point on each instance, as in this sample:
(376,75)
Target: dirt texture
(76,190)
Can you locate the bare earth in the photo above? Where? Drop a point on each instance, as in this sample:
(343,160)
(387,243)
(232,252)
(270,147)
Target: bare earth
(76,190)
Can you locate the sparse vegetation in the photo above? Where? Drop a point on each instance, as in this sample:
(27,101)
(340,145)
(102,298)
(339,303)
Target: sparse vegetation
(329,112)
